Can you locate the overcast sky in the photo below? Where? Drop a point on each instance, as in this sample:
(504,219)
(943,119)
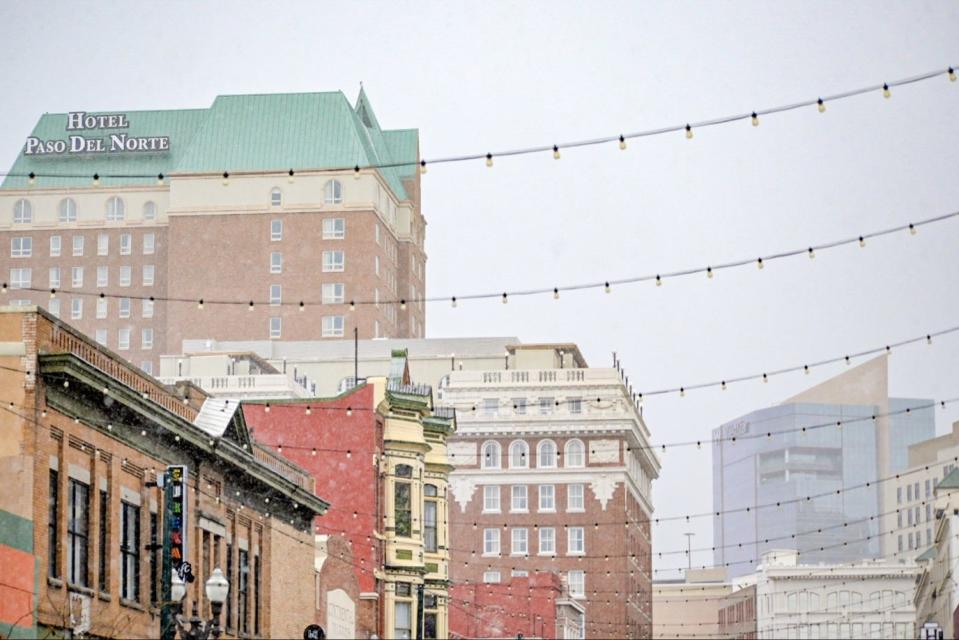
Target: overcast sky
(496,75)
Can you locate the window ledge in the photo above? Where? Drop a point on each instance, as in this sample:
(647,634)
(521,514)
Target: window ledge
(575,510)
(547,511)
(77,588)
(132,604)
(576,553)
(491,555)
(546,554)
(55,582)
(106,597)
(492,511)
(519,510)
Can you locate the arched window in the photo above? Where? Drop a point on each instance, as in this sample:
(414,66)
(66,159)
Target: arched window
(430,491)
(334,192)
(404,471)
(518,455)
(491,455)
(115,209)
(68,210)
(22,212)
(546,454)
(276,197)
(575,454)
(150,210)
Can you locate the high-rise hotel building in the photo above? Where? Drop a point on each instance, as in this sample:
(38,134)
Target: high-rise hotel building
(133,218)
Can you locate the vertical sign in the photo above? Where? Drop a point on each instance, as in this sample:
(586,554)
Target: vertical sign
(177,530)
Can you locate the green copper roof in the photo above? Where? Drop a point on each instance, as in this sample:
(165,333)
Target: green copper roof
(951,481)
(268,132)
(928,554)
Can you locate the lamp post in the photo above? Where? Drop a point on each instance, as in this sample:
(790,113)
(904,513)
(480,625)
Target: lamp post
(217,589)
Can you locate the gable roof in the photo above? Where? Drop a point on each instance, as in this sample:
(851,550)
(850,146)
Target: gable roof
(221,418)
(951,481)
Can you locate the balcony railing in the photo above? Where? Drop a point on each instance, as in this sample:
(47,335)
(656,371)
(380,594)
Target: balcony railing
(283,467)
(267,385)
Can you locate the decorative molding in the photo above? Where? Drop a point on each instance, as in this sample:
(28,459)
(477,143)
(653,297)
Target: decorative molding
(603,488)
(463,489)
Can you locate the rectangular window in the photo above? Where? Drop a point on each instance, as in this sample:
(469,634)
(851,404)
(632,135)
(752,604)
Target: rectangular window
(102,308)
(103,276)
(429,526)
(149,244)
(519,542)
(149,273)
(55,244)
(545,406)
(103,580)
(908,493)
(898,495)
(403,628)
(126,244)
(103,244)
(125,306)
(123,340)
(76,280)
(547,541)
(332,326)
(376,265)
(130,552)
(154,557)
(376,233)
(147,366)
(77,246)
(519,495)
(256,595)
(228,616)
(126,274)
(334,229)
(54,307)
(276,327)
(575,405)
(928,488)
(276,230)
(53,522)
(147,309)
(276,262)
(577,583)
(20,278)
(519,406)
(243,587)
(101,336)
(490,542)
(491,495)
(403,508)
(490,406)
(334,293)
(21,247)
(276,294)
(491,577)
(333,261)
(928,512)
(547,497)
(54,277)
(576,543)
(76,309)
(146,338)
(574,497)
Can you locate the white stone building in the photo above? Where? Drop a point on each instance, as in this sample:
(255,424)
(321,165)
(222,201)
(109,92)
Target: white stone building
(937,598)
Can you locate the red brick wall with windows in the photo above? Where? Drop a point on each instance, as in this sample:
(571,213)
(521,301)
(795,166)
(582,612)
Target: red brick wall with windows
(523,605)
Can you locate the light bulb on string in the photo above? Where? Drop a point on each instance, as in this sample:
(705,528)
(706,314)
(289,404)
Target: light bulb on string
(403,304)
(659,281)
(886,93)
(96,179)
(159,179)
(356,172)
(199,304)
(453,302)
(250,307)
(555,293)
(689,132)
(352,305)
(912,229)
(709,272)
(349,411)
(290,176)
(952,74)
(821,105)
(622,143)
(31,179)
(607,288)
(505,299)
(759,263)
(489,159)
(302,306)
(755,119)
(862,241)
(53,293)
(226,178)
(812,254)
(556,155)
(422,166)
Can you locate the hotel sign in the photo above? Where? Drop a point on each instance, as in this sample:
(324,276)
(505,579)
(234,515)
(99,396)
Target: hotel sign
(85,143)
(176,512)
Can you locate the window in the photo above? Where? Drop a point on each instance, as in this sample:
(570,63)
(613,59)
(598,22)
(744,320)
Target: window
(103,580)
(149,244)
(76,309)
(576,544)
(519,542)
(154,557)
(376,233)
(276,230)
(430,615)
(574,497)
(147,366)
(115,209)
(519,406)
(126,244)
(54,277)
(22,212)
(149,273)
(20,278)
(402,507)
(519,498)
(546,454)
(545,406)
(334,229)
(333,261)
(575,405)
(547,497)
(147,309)
(55,243)
(124,307)
(491,542)
(77,246)
(21,247)
(403,628)
(376,265)
(123,339)
(76,279)
(332,326)
(518,455)
(125,276)
(547,541)
(490,406)
(146,338)
(928,488)
(908,493)
(68,210)
(54,307)
(276,294)
(577,583)
(429,518)
(149,210)
(928,512)
(256,595)
(491,495)
(243,587)
(574,456)
(333,293)
(53,520)
(491,577)
(129,552)
(276,197)
(491,455)
(276,262)
(101,337)
(333,192)
(103,276)
(276,327)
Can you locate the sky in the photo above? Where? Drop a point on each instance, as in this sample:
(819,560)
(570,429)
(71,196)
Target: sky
(489,76)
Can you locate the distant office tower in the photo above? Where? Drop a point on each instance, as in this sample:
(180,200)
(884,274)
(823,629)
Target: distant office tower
(788,468)
(201,204)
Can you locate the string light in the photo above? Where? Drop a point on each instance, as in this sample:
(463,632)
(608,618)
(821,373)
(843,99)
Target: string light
(886,93)
(606,288)
(96,179)
(821,105)
(226,178)
(912,229)
(422,167)
(489,159)
(622,143)
(160,179)
(356,172)
(755,119)
(290,178)
(555,294)
(952,74)
(31,178)
(556,155)
(689,132)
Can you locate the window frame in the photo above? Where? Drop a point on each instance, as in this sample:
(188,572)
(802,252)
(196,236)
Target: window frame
(21,247)
(492,498)
(520,498)
(276,230)
(491,542)
(569,461)
(570,507)
(129,551)
(333,331)
(333,192)
(523,539)
(493,460)
(540,494)
(331,264)
(276,327)
(67,211)
(276,262)
(116,209)
(553,457)
(22,211)
(580,537)
(518,454)
(551,551)
(56,241)
(337,230)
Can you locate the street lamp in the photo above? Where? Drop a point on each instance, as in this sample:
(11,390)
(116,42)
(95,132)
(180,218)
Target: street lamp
(217,589)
